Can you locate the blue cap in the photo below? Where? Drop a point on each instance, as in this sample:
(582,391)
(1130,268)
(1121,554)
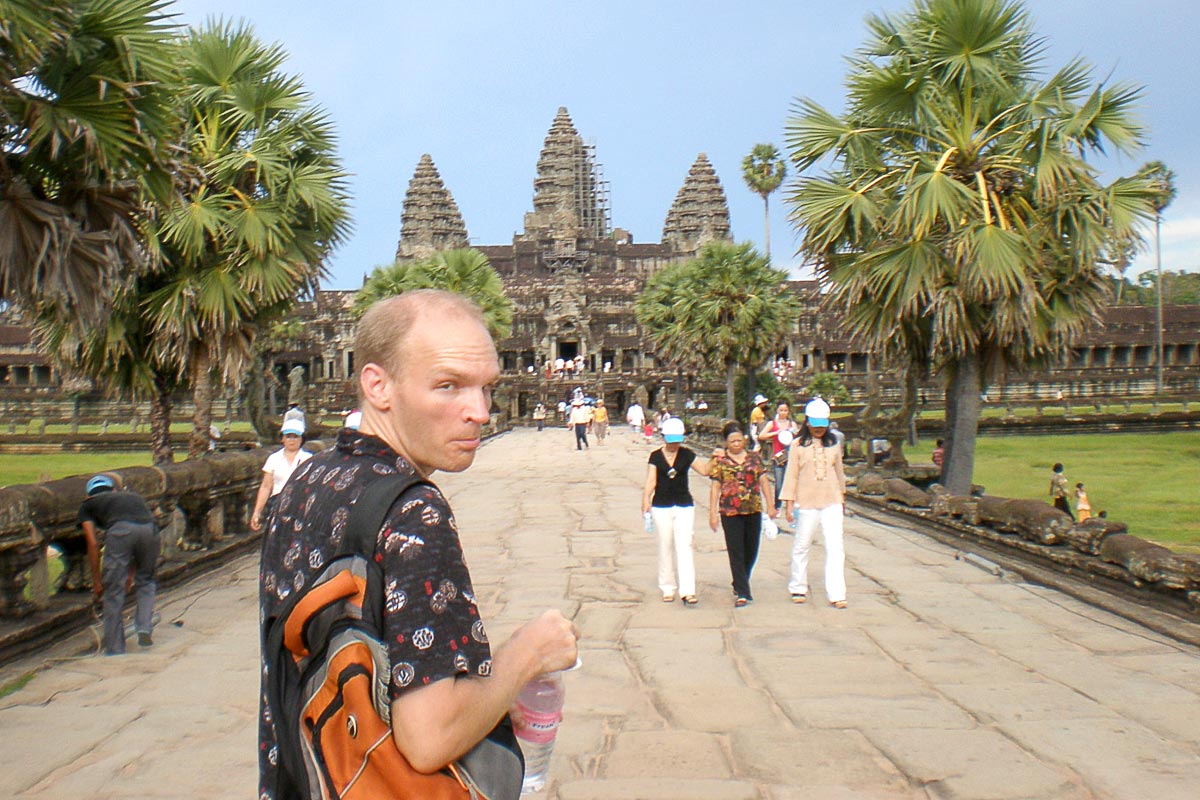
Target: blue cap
(100,483)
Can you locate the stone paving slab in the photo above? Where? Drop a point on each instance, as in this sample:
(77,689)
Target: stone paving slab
(940,681)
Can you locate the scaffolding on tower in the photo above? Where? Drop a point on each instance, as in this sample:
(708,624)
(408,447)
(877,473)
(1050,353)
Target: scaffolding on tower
(592,193)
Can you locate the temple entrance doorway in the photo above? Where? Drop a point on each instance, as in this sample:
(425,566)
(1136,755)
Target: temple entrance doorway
(568,350)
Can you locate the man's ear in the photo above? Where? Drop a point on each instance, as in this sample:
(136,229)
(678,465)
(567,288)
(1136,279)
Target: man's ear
(373,383)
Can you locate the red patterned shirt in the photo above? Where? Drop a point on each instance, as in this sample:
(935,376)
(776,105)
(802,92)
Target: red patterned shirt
(740,489)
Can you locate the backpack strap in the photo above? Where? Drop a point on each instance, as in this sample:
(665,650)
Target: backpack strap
(371,509)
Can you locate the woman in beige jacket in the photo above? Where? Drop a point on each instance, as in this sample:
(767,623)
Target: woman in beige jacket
(814,486)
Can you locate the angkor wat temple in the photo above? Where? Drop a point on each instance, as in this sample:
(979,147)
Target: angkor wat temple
(574,277)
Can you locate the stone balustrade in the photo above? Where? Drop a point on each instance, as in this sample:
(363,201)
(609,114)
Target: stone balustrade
(196,503)
(1098,547)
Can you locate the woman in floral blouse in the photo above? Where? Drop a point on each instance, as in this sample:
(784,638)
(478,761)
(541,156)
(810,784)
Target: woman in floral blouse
(739,484)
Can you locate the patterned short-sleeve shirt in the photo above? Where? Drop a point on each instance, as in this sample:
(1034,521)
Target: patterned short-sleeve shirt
(431,622)
(740,491)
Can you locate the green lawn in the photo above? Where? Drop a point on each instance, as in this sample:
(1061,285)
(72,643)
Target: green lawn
(1149,481)
(21,468)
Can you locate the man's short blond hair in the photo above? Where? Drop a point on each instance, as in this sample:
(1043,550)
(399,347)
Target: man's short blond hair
(383,331)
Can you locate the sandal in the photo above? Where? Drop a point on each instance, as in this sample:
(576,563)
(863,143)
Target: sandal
(669,598)
(740,602)
(690,600)
(798,598)
(838,604)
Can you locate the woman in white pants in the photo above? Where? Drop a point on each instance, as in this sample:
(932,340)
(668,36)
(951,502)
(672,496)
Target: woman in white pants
(668,500)
(815,487)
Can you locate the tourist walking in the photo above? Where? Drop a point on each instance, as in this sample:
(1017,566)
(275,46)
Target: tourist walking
(580,420)
(814,488)
(131,542)
(1058,490)
(600,421)
(636,417)
(539,416)
(278,467)
(779,433)
(667,497)
(447,687)
(758,418)
(736,502)
(1083,506)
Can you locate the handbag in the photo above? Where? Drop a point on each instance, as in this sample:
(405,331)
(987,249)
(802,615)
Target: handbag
(769,528)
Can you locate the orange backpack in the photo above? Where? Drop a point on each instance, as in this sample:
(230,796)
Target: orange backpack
(327,687)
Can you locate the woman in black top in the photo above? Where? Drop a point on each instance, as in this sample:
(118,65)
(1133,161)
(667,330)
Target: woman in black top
(668,500)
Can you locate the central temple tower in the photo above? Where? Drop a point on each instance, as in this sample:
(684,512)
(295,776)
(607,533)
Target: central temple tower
(572,277)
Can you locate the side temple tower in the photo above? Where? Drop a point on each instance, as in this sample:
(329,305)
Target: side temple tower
(431,220)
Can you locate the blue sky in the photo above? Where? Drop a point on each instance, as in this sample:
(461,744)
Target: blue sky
(651,84)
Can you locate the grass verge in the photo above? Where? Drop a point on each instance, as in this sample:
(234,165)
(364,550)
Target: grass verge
(1148,481)
(31,468)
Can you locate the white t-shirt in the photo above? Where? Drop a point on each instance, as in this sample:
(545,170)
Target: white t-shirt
(635,416)
(277,465)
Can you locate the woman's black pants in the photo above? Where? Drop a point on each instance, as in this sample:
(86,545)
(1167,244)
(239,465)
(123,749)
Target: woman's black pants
(741,540)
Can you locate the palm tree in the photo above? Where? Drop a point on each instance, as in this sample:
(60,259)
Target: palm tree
(763,170)
(725,308)
(85,114)
(268,206)
(117,354)
(959,225)
(674,341)
(1163,181)
(465,271)
(1122,249)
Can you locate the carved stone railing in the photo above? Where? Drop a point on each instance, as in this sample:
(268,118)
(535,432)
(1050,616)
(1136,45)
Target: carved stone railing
(196,503)
(199,505)
(1096,547)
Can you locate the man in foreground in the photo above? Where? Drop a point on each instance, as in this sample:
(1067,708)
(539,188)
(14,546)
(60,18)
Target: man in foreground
(428,366)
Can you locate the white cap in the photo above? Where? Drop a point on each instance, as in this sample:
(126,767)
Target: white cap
(673,430)
(293,427)
(760,399)
(353,420)
(817,412)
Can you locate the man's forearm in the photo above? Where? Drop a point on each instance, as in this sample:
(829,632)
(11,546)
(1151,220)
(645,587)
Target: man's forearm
(435,724)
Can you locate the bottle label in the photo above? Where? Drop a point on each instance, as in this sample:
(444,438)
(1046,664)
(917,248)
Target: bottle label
(536,727)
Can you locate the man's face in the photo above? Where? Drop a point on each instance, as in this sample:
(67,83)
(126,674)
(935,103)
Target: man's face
(443,394)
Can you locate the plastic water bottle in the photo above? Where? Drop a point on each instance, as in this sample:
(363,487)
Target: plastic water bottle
(648,522)
(536,717)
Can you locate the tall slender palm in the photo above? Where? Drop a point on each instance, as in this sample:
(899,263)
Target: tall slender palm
(960,225)
(764,171)
(727,307)
(85,114)
(1163,181)
(255,227)
(465,271)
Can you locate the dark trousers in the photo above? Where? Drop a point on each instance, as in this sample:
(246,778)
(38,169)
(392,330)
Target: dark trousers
(581,437)
(779,470)
(128,544)
(1062,505)
(741,540)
